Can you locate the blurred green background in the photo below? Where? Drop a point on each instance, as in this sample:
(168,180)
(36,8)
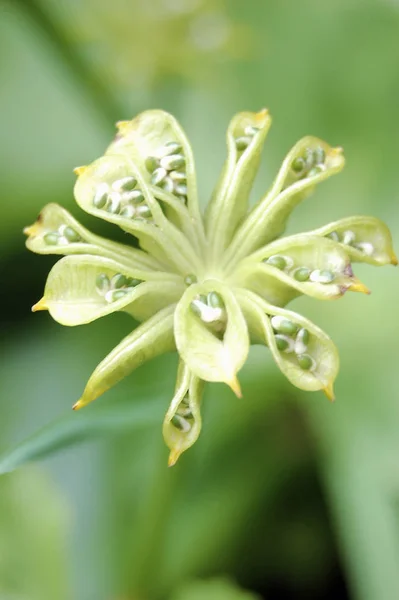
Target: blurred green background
(284,495)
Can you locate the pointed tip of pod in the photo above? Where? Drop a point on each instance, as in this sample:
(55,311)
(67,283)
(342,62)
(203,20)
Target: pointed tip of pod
(174,457)
(80,170)
(263,114)
(394,259)
(358,286)
(78,405)
(31,230)
(41,305)
(122,125)
(234,384)
(329,392)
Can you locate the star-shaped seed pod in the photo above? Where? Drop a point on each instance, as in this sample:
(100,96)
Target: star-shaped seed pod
(206,286)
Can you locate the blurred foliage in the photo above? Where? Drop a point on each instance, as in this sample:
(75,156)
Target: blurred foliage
(284,494)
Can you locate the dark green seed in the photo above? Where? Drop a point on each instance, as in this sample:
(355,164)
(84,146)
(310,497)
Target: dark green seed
(132,282)
(158,176)
(215,300)
(305,361)
(180,423)
(126,184)
(281,342)
(302,274)
(190,279)
(51,239)
(100,199)
(277,261)
(118,281)
(102,283)
(283,325)
(151,163)
(319,155)
(298,164)
(242,143)
(173,161)
(71,235)
(171,148)
(303,336)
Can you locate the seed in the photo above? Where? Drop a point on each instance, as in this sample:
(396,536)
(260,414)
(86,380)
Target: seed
(298,164)
(126,184)
(242,143)
(101,196)
(333,236)
(190,279)
(179,176)
(365,247)
(128,211)
(180,423)
(349,238)
(303,335)
(315,171)
(167,185)
(319,155)
(171,148)
(284,343)
(277,261)
(113,295)
(132,282)
(114,203)
(51,239)
(283,325)
(143,211)
(251,130)
(118,281)
(158,176)
(102,283)
(321,276)
(215,300)
(181,189)
(309,158)
(302,274)
(185,411)
(301,341)
(71,235)
(173,161)
(306,362)
(135,197)
(151,163)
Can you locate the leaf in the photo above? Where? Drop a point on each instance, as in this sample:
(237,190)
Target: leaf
(150,339)
(80,289)
(207,356)
(322,353)
(323,265)
(230,199)
(268,219)
(74,428)
(365,239)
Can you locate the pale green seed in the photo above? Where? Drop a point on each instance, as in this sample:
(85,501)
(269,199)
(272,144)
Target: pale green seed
(181,189)
(158,176)
(283,325)
(242,143)
(179,176)
(190,279)
(277,261)
(144,211)
(305,361)
(251,130)
(135,197)
(167,185)
(171,148)
(51,239)
(114,295)
(102,283)
(185,411)
(126,184)
(202,298)
(302,274)
(215,300)
(348,237)
(303,336)
(151,163)
(101,197)
(322,276)
(172,162)
(309,158)
(114,204)
(298,164)
(182,199)
(319,155)
(118,281)
(71,235)
(333,236)
(128,211)
(132,282)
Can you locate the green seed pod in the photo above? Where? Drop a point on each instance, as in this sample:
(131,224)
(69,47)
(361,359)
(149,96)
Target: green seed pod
(118,281)
(319,155)
(322,276)
(51,238)
(190,279)
(172,162)
(284,343)
(151,163)
(215,300)
(277,261)
(158,176)
(298,164)
(242,143)
(71,235)
(283,325)
(302,274)
(102,283)
(101,196)
(306,362)
(126,184)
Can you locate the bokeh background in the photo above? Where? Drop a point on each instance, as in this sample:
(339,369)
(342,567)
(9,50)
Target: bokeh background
(284,495)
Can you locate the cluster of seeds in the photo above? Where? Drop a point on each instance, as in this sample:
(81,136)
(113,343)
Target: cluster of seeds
(292,339)
(122,198)
(115,288)
(183,418)
(210,309)
(349,238)
(243,141)
(311,163)
(167,169)
(63,236)
(302,274)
